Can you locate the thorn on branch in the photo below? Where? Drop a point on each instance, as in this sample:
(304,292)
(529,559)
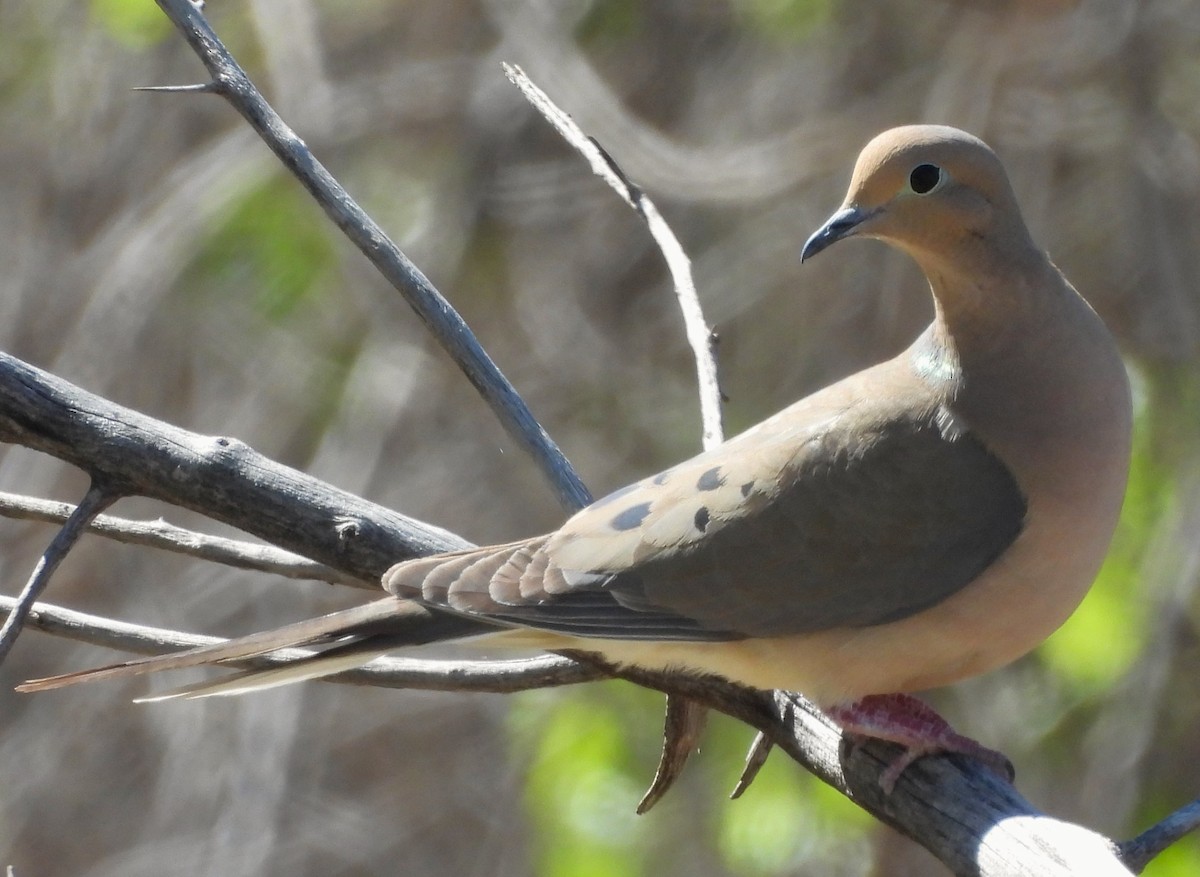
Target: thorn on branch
(212,87)
(231,81)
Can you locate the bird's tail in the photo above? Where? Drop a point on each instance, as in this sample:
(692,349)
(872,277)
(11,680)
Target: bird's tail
(351,638)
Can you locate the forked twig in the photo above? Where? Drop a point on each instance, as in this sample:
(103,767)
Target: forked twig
(179,540)
(98,498)
(973,823)
(699,335)
(231,82)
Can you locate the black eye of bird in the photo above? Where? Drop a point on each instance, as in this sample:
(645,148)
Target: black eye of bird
(924,177)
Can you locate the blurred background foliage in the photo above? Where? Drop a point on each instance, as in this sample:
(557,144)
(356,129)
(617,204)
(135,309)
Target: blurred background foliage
(153,251)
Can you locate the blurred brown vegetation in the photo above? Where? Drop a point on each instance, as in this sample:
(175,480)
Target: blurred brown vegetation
(153,251)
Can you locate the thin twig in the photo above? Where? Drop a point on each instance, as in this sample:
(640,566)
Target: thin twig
(459,675)
(168,537)
(434,311)
(699,335)
(684,719)
(1138,852)
(220,477)
(992,806)
(971,804)
(98,497)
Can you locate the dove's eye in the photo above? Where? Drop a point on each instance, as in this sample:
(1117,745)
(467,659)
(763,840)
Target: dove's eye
(925,178)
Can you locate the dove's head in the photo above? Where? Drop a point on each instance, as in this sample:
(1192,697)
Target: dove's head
(936,192)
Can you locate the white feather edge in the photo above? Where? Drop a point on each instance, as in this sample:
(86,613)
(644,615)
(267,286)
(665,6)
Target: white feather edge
(260,680)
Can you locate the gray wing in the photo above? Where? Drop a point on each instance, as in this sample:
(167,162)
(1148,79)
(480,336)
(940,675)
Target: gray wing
(777,532)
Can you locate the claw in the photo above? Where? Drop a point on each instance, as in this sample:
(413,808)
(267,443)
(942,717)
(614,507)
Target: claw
(902,719)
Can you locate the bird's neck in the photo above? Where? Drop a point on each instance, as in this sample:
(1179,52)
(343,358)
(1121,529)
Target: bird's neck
(987,313)
(1038,377)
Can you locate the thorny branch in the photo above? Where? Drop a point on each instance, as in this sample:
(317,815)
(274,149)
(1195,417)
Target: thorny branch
(228,481)
(973,822)
(231,82)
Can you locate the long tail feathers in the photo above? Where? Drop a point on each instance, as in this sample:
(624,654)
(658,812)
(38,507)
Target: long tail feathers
(327,663)
(357,623)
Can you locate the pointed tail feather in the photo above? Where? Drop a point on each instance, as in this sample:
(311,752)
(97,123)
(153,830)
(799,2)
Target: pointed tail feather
(314,666)
(404,622)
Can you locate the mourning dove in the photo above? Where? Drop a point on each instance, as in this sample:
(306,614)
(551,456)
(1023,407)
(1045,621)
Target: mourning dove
(928,519)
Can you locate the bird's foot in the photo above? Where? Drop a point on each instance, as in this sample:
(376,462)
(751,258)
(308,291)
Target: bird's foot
(900,718)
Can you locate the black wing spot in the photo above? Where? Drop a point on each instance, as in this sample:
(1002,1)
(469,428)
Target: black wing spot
(702,518)
(710,480)
(631,517)
(661,478)
(746,488)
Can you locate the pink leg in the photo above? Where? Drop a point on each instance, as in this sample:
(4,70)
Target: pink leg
(902,719)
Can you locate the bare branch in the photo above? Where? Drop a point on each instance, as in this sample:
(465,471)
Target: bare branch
(685,720)
(1138,852)
(222,478)
(434,311)
(959,810)
(956,808)
(167,537)
(974,822)
(231,82)
(502,677)
(98,497)
(699,335)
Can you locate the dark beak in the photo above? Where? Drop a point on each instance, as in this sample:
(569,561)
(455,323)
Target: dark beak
(841,225)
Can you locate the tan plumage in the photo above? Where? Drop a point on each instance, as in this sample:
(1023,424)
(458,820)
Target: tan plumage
(927,519)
